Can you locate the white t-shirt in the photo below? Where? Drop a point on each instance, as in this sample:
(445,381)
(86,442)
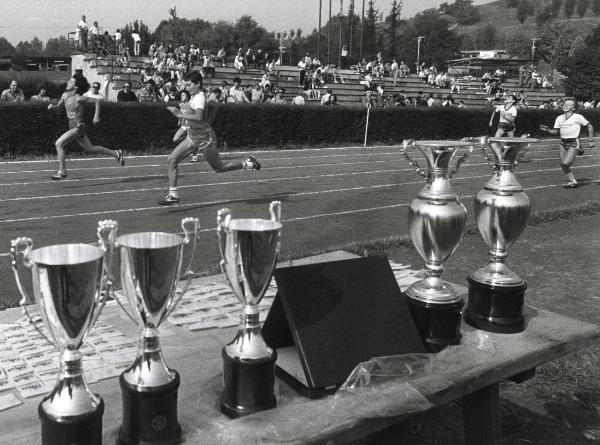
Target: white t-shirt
(570,128)
(118,36)
(136,37)
(512,111)
(94,96)
(298,100)
(198,101)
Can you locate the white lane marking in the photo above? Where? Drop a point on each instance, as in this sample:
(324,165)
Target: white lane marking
(222,202)
(186,164)
(293,150)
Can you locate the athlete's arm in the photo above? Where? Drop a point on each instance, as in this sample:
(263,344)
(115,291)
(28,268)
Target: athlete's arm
(590,134)
(492,117)
(60,103)
(548,129)
(196,116)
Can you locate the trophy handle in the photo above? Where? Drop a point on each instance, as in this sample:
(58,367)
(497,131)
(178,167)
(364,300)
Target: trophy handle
(405,144)
(191,234)
(22,247)
(275,211)
(106,233)
(223,218)
(483,142)
(461,160)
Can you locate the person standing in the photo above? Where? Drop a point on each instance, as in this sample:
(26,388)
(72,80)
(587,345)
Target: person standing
(301,72)
(344,58)
(82,30)
(137,42)
(73,100)
(568,125)
(118,38)
(200,136)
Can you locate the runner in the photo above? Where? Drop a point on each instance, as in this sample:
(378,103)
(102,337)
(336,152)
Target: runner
(73,100)
(568,125)
(184,125)
(200,136)
(508,115)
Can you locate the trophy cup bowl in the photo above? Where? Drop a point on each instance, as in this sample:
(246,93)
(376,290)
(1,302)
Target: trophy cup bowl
(249,249)
(496,293)
(151,264)
(436,221)
(68,284)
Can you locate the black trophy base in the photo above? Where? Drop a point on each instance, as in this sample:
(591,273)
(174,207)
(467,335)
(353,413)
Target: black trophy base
(248,385)
(495,308)
(150,417)
(438,324)
(81,430)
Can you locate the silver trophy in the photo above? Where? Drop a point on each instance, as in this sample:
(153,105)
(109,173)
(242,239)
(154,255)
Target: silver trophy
(249,248)
(496,293)
(436,220)
(151,265)
(69,283)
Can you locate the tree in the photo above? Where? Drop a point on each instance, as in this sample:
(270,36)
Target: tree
(577,46)
(569,8)
(370,31)
(545,15)
(512,3)
(582,72)
(37,47)
(6,48)
(516,44)
(392,29)
(57,46)
(596,7)
(462,10)
(556,6)
(555,41)
(582,7)
(486,37)
(524,10)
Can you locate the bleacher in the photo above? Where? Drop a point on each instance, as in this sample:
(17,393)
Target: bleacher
(112,78)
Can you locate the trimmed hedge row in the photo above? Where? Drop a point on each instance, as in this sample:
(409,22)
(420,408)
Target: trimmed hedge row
(30,129)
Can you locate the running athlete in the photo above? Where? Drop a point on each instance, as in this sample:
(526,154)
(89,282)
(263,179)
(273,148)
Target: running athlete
(568,125)
(184,125)
(508,115)
(73,100)
(200,136)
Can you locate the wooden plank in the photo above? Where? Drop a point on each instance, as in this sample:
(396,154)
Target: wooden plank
(481,414)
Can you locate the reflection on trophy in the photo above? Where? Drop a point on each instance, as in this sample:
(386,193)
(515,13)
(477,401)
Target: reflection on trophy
(151,265)
(436,222)
(249,248)
(68,284)
(501,208)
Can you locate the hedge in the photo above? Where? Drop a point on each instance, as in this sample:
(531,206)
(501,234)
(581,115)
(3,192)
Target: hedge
(30,129)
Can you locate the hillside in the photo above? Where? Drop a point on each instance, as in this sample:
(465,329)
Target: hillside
(505,19)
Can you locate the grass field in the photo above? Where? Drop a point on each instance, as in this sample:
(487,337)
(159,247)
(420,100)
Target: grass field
(354,198)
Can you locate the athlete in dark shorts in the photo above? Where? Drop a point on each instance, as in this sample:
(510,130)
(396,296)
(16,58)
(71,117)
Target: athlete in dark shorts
(200,136)
(568,125)
(73,100)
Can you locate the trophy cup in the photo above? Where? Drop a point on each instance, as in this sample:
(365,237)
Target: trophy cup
(496,293)
(436,221)
(151,264)
(68,284)
(249,248)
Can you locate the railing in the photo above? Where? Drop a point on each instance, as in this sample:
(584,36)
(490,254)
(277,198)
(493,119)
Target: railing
(91,44)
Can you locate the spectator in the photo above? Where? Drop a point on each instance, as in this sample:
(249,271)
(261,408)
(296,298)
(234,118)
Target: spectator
(344,58)
(172,96)
(260,59)
(327,98)
(536,78)
(299,99)
(546,83)
(42,96)
(221,56)
(238,63)
(13,93)
(278,99)
(461,104)
(118,39)
(224,91)
(236,93)
(137,42)
(523,75)
(500,74)
(126,95)
(208,67)
(94,92)
(257,94)
(148,93)
(404,69)
(82,34)
(214,96)
(94,34)
(301,72)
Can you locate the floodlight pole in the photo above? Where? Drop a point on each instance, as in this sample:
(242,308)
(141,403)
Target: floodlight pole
(533,48)
(419,39)
(341,22)
(362,21)
(329,36)
(319,33)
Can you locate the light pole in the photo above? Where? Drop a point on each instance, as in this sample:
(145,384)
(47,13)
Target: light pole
(341,25)
(319,34)
(533,48)
(419,39)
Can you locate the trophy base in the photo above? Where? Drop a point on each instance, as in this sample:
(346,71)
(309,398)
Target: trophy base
(495,308)
(80,430)
(437,324)
(150,415)
(248,385)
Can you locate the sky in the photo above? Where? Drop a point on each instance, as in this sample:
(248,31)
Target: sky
(24,19)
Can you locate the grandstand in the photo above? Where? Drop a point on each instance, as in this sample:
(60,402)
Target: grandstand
(112,78)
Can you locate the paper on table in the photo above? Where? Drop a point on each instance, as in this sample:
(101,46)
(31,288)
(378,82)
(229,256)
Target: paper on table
(8,401)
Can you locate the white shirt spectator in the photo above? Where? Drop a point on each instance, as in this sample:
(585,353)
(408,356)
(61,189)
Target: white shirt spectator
(325,99)
(570,128)
(298,100)
(95,30)
(136,37)
(98,96)
(118,36)
(82,26)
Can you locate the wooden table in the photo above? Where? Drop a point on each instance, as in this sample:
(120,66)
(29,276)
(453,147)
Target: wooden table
(471,371)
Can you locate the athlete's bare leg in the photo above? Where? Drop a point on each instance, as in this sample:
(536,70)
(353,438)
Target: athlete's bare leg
(182,151)
(181,132)
(213,157)
(566,160)
(66,138)
(86,144)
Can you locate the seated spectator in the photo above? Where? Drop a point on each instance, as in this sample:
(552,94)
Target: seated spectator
(278,99)
(94,92)
(258,95)
(587,104)
(208,67)
(13,93)
(454,85)
(148,93)
(221,56)
(299,99)
(500,74)
(265,80)
(536,79)
(404,69)
(487,76)
(238,63)
(461,104)
(224,91)
(215,95)
(546,83)
(423,75)
(172,96)
(248,93)
(327,99)
(42,96)
(126,95)
(236,93)
(448,102)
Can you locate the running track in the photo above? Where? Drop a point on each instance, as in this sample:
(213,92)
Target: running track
(330,196)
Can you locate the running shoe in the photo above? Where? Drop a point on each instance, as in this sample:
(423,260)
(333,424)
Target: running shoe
(571,185)
(169,200)
(194,158)
(254,162)
(58,176)
(121,158)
